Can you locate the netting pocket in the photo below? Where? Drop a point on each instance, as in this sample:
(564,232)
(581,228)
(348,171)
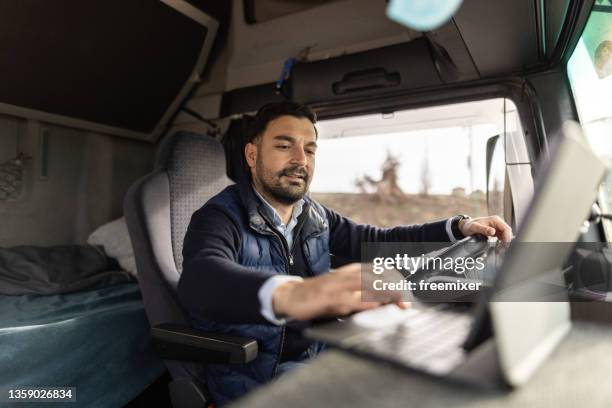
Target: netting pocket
(11,179)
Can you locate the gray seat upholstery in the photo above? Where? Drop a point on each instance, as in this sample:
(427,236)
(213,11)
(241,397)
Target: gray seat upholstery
(189,170)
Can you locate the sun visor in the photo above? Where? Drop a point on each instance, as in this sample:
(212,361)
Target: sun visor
(115,67)
(400,67)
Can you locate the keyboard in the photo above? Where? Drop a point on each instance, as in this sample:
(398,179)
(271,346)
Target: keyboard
(428,339)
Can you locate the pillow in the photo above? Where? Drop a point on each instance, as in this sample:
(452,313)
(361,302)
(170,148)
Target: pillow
(56,269)
(115,240)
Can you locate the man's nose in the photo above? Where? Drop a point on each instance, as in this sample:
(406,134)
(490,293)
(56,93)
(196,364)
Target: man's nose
(299,156)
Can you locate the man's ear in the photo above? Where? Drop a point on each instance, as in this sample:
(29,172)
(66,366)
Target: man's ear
(250,153)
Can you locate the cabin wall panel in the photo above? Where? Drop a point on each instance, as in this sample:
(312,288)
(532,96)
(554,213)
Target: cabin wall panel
(88,176)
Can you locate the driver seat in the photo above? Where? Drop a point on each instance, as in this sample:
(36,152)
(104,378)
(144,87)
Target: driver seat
(189,170)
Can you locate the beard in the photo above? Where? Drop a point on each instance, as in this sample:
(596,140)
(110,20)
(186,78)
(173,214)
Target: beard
(279,187)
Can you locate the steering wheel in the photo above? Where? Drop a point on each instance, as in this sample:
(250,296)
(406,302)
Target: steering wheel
(475,247)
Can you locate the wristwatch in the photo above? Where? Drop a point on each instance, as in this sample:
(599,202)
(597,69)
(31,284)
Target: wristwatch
(455,225)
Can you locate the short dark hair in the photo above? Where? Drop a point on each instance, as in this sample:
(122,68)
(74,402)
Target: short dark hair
(271,111)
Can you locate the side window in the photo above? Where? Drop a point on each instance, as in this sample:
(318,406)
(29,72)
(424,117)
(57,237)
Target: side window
(414,166)
(590,73)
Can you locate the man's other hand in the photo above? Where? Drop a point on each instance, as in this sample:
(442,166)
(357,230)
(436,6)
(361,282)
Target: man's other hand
(333,294)
(488,226)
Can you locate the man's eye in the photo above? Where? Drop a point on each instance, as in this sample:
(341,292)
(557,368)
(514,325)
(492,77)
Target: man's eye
(311,152)
(283,147)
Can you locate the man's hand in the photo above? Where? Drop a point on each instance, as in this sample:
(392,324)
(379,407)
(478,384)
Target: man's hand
(333,294)
(488,226)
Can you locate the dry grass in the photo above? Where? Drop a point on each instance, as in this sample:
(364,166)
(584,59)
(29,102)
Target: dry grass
(409,209)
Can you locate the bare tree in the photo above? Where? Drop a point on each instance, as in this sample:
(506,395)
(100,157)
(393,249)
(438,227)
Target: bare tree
(425,173)
(388,185)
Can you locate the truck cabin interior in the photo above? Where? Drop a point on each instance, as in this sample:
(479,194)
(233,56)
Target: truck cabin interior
(94,94)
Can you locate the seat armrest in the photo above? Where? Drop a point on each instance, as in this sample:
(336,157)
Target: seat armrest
(179,342)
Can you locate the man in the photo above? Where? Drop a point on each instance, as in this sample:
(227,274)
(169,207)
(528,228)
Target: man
(257,255)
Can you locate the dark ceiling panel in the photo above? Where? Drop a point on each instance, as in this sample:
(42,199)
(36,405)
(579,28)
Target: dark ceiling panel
(260,11)
(500,35)
(119,64)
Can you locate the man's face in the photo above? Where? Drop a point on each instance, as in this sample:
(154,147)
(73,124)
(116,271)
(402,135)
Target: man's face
(282,159)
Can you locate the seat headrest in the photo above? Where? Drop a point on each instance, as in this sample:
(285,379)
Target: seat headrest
(234,141)
(196,170)
(180,148)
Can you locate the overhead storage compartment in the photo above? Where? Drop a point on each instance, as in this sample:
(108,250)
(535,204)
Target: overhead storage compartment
(399,67)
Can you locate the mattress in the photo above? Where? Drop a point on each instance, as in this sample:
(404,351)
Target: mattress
(95,340)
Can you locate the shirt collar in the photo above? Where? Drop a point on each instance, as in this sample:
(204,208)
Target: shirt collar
(273,214)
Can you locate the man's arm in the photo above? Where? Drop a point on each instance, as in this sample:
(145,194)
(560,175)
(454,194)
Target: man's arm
(339,292)
(213,285)
(346,236)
